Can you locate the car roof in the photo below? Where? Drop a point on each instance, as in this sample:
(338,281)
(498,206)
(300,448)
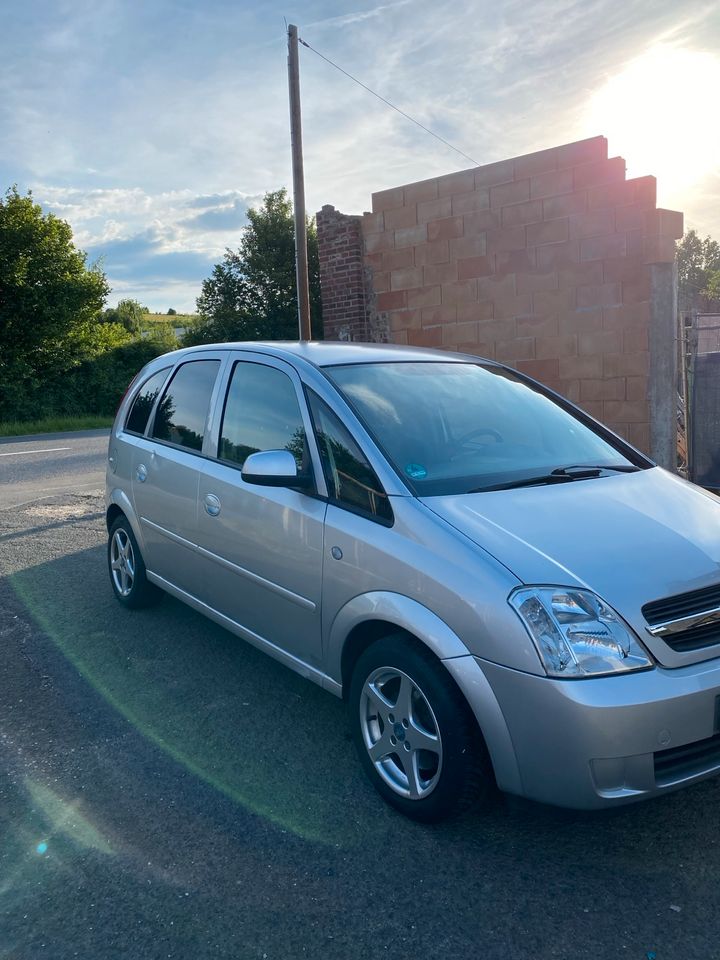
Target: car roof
(325,353)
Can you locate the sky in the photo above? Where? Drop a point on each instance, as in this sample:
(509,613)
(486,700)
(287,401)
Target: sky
(152,126)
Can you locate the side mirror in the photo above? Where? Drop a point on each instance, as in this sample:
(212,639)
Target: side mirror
(273,468)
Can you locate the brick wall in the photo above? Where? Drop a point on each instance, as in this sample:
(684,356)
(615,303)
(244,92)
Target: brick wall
(542,262)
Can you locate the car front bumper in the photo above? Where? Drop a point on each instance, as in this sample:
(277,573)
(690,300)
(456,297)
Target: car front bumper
(596,743)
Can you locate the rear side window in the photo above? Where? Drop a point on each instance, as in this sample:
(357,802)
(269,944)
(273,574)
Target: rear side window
(351,480)
(261,413)
(143,403)
(181,414)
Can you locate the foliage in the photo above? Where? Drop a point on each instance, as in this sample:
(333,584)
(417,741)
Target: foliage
(252,293)
(712,291)
(49,299)
(172,312)
(131,314)
(698,261)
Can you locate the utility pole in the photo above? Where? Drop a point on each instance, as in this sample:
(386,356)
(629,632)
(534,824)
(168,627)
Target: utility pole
(301,258)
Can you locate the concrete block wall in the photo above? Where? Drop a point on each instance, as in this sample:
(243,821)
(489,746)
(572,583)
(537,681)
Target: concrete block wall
(544,262)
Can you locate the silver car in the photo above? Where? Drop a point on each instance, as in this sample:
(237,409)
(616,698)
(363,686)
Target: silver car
(504,591)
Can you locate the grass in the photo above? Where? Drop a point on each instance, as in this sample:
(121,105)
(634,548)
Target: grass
(174,319)
(19,428)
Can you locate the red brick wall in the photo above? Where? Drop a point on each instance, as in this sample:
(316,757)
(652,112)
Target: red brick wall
(541,261)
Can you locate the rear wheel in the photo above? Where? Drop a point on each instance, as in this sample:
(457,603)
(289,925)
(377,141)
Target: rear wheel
(127,568)
(414,732)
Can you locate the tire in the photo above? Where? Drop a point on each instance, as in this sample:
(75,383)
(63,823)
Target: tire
(400,693)
(127,568)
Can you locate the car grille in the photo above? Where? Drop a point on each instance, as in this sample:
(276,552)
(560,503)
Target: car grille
(679,763)
(686,605)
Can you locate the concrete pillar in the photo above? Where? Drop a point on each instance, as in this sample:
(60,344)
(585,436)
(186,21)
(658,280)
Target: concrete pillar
(662,383)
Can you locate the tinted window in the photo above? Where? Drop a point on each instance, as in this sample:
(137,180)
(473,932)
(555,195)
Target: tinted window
(261,413)
(182,412)
(459,427)
(350,478)
(143,402)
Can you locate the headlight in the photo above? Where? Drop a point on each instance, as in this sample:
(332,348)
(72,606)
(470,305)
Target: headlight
(576,633)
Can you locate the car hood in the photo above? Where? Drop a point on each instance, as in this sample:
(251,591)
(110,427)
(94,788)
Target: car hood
(631,538)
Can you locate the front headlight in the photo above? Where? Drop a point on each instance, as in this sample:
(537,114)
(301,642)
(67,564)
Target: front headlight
(576,633)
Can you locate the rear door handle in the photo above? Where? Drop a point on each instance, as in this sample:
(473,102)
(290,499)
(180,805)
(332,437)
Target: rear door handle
(212,505)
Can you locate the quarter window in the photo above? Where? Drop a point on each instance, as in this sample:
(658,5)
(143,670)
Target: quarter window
(181,414)
(261,413)
(143,403)
(350,479)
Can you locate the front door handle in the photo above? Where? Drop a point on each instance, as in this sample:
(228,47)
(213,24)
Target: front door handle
(141,473)
(212,505)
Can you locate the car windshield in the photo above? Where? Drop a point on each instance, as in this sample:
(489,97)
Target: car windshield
(452,428)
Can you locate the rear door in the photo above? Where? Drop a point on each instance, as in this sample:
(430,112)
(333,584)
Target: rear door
(167,464)
(263,545)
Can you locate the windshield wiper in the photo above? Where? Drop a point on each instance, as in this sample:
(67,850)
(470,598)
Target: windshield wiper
(558,475)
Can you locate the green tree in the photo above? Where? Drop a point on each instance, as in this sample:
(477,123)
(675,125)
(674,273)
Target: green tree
(172,312)
(131,314)
(49,297)
(252,293)
(712,291)
(697,261)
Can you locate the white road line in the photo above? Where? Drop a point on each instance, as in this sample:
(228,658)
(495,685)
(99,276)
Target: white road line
(19,453)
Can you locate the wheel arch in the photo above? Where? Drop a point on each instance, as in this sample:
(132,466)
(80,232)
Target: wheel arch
(118,504)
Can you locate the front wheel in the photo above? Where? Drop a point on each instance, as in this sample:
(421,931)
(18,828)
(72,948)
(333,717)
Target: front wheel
(414,732)
(127,568)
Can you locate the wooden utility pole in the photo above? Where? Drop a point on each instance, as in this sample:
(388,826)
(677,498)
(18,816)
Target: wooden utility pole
(301,258)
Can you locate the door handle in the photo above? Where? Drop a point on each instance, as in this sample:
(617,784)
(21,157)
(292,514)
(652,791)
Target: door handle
(141,473)
(212,505)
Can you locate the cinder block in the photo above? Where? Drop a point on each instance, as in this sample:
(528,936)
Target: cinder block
(421,191)
(532,164)
(483,351)
(434,209)
(628,315)
(619,268)
(478,199)
(600,295)
(626,411)
(560,346)
(475,267)
(427,337)
(644,191)
(376,242)
(401,217)
(553,301)
(630,217)
(635,340)
(595,223)
(604,341)
(397,259)
(424,297)
(570,389)
(463,247)
(506,193)
(445,313)
(535,282)
(568,205)
(440,273)
(491,174)
(436,252)
(475,311)
(580,321)
(548,231)
(498,285)
(456,333)
(603,171)
(507,238)
(405,278)
(372,223)
(399,337)
(479,223)
(461,182)
(636,388)
(388,199)
(381,281)
(604,248)
(611,389)
(537,326)
(658,250)
(405,320)
(519,213)
(541,370)
(510,351)
(593,149)
(635,291)
(625,364)
(639,435)
(462,291)
(515,261)
(551,184)
(580,368)
(393,300)
(581,274)
(411,236)
(664,223)
(373,260)
(445,229)
(494,330)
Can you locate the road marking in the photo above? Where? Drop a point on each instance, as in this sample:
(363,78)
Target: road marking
(19,453)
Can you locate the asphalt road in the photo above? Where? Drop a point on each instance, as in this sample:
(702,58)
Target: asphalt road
(166,791)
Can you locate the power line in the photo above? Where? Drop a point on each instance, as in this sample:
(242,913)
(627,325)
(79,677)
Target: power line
(387,103)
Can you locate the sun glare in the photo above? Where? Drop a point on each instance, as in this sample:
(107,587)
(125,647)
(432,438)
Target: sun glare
(658,113)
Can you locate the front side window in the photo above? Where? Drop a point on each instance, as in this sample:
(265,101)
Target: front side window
(261,413)
(181,414)
(143,403)
(350,479)
(451,428)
